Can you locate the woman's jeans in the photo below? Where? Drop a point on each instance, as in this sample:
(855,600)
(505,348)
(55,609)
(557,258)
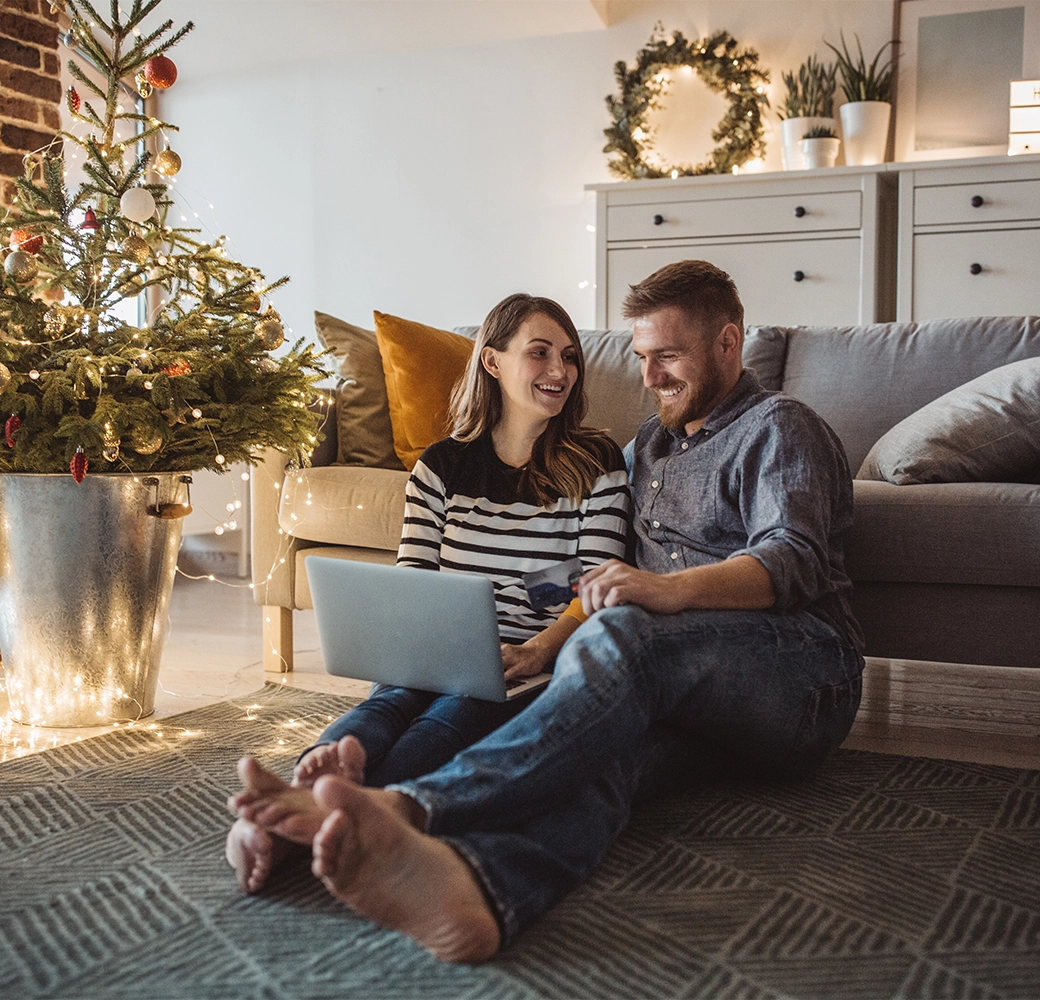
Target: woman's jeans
(406,732)
(638,703)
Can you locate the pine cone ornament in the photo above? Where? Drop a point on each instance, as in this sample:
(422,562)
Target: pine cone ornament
(11,428)
(78,466)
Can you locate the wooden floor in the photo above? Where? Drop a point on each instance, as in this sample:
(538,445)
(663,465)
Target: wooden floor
(990,715)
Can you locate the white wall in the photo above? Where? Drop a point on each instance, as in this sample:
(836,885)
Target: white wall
(428,157)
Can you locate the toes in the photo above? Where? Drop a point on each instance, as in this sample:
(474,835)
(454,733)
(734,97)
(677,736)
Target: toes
(334,793)
(352,758)
(254,776)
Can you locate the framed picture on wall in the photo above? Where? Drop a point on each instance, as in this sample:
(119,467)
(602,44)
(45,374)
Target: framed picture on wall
(956,61)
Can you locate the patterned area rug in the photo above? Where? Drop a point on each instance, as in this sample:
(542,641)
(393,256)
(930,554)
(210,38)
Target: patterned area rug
(881,877)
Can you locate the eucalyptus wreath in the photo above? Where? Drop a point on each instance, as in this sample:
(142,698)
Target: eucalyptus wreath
(724,67)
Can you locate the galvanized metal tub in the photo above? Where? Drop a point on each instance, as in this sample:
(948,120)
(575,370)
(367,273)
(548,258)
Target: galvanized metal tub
(86,571)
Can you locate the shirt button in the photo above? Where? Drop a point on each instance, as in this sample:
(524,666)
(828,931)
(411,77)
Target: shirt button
(656,524)
(655,484)
(685,445)
(675,555)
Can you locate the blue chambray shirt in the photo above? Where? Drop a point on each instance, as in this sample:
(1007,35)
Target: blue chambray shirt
(765,476)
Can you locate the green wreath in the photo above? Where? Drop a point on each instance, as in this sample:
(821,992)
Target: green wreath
(724,68)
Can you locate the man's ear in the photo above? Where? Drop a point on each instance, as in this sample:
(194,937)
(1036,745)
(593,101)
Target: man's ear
(489,359)
(729,338)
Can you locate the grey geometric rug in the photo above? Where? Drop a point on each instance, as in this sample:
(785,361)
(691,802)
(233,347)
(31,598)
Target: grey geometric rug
(882,876)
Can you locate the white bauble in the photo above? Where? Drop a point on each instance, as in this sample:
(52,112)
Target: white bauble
(137,204)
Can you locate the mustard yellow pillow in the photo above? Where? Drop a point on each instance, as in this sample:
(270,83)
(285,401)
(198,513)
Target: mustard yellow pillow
(421,365)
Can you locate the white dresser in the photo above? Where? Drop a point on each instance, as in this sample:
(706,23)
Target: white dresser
(969,238)
(806,247)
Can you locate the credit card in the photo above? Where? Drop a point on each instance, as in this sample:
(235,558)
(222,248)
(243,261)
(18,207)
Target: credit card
(558,584)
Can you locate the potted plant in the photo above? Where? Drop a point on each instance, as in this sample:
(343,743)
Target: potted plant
(105,419)
(868,93)
(819,147)
(808,103)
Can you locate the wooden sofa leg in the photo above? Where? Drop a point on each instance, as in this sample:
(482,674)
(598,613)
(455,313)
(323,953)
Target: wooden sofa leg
(278,639)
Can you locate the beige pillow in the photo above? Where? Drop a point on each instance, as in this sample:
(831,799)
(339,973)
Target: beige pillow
(362,411)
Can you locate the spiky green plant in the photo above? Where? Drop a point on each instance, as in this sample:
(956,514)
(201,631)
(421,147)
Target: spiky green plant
(195,387)
(820,132)
(860,81)
(810,94)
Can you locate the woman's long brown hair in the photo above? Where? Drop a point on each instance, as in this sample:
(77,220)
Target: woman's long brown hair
(567,458)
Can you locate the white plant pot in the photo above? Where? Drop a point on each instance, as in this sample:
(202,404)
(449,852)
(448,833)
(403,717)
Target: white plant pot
(791,132)
(864,130)
(819,152)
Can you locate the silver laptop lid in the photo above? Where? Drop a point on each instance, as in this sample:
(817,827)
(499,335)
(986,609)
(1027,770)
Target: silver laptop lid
(408,627)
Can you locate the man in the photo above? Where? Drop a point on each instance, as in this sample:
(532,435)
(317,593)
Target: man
(730,642)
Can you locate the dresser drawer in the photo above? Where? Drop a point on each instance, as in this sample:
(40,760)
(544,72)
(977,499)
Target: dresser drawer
(794,213)
(828,292)
(999,201)
(1008,282)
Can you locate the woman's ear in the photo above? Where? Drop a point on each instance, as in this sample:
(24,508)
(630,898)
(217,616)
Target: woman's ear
(489,359)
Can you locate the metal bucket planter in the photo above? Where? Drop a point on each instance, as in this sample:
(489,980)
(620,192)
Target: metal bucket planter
(86,571)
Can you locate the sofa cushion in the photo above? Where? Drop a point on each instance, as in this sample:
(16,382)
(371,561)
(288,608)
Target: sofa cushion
(362,411)
(765,349)
(954,533)
(987,430)
(344,506)
(421,365)
(864,379)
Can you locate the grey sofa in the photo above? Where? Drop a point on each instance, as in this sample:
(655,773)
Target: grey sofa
(942,571)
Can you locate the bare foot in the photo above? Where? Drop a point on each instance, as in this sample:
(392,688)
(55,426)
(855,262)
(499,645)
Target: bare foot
(254,854)
(374,860)
(345,759)
(268,802)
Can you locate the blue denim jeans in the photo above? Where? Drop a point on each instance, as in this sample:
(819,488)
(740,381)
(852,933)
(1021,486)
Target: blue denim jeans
(638,703)
(406,732)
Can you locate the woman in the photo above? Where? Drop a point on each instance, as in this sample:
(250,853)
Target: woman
(518,487)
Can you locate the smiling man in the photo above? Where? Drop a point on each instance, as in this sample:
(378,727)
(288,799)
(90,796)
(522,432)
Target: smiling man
(730,645)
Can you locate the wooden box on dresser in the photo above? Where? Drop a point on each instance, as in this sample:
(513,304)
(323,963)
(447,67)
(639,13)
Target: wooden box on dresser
(969,238)
(809,247)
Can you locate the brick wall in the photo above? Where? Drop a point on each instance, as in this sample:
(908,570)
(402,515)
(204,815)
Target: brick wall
(30,85)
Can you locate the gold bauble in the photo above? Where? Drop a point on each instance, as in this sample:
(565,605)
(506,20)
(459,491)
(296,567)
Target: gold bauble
(5,377)
(144,440)
(144,88)
(270,329)
(136,248)
(21,266)
(110,451)
(167,163)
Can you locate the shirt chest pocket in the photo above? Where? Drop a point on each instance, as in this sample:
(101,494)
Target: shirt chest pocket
(686,513)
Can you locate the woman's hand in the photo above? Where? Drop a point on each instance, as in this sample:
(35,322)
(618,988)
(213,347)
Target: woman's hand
(525,660)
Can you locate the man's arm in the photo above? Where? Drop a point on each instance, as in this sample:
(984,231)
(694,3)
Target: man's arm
(740,583)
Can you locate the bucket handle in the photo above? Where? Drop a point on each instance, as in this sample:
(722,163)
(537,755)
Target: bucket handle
(168,511)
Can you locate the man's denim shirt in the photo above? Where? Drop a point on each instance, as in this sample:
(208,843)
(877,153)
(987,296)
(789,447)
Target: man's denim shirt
(765,476)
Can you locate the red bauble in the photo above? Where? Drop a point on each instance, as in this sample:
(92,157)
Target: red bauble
(11,428)
(89,220)
(160,72)
(78,466)
(177,368)
(22,239)
(73,99)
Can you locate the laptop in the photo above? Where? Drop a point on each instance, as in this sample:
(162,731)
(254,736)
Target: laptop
(412,628)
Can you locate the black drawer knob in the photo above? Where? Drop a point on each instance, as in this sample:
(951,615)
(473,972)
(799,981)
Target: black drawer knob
(799,276)
(799,211)
(975,269)
(977,201)
(658,220)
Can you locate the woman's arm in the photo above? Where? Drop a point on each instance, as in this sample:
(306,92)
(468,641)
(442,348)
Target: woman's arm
(423,529)
(539,652)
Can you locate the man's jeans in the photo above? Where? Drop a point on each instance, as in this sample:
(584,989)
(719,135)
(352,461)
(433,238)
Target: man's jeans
(637,701)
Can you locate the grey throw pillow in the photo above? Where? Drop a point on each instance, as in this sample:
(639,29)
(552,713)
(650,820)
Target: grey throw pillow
(362,408)
(987,430)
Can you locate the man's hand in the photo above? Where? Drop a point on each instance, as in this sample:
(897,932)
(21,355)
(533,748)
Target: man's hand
(614,582)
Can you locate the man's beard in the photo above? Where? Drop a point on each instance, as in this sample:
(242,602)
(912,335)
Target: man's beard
(701,400)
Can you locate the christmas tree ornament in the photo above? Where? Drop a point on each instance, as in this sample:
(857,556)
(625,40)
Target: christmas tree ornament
(144,440)
(78,466)
(270,329)
(11,428)
(144,88)
(110,450)
(268,365)
(22,239)
(54,322)
(90,220)
(21,266)
(137,204)
(5,377)
(177,368)
(136,248)
(252,302)
(160,72)
(73,100)
(168,162)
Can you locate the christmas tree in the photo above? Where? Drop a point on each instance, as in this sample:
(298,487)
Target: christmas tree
(193,387)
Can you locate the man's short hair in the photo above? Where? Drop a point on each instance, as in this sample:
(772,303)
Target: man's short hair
(704,292)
